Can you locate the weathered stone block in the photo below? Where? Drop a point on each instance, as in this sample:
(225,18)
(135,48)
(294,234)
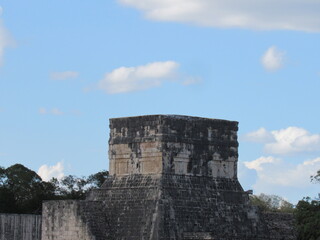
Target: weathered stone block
(172,144)
(63,220)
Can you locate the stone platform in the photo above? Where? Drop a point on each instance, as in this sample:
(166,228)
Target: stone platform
(171,177)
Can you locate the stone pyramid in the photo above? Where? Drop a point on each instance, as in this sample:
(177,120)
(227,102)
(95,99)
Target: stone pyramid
(171,177)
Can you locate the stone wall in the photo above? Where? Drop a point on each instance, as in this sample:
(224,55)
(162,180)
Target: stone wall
(280,225)
(177,207)
(63,220)
(173,144)
(130,206)
(20,227)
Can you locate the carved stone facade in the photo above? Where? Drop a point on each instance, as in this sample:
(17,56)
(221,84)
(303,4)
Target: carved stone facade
(171,177)
(171,144)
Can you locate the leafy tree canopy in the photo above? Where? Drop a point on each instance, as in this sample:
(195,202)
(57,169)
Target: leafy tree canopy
(308,219)
(307,215)
(73,187)
(22,190)
(272,203)
(316,178)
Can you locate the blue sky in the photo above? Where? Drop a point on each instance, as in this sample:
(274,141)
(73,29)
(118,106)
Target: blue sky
(69,66)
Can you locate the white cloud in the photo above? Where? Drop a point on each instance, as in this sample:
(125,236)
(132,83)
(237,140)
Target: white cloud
(262,15)
(272,59)
(275,172)
(129,79)
(286,141)
(5,39)
(293,140)
(191,81)
(64,75)
(48,172)
(257,164)
(261,135)
(53,111)
(284,177)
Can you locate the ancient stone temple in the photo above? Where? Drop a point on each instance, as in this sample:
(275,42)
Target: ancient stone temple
(171,177)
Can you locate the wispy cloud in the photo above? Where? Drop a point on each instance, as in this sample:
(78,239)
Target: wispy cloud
(53,111)
(272,171)
(286,141)
(64,75)
(261,135)
(6,39)
(258,163)
(58,112)
(272,59)
(262,15)
(191,81)
(48,172)
(130,79)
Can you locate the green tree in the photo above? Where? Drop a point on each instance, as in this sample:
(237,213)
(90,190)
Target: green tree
(96,180)
(307,215)
(316,178)
(272,203)
(70,187)
(23,190)
(7,203)
(308,219)
(73,187)
(6,196)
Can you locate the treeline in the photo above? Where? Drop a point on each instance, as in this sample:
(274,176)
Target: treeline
(22,190)
(306,212)
(272,203)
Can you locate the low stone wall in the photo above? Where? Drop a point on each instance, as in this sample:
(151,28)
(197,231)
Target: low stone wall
(64,220)
(20,227)
(280,225)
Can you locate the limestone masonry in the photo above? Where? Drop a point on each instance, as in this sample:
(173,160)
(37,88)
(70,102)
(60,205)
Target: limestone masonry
(20,227)
(170,144)
(171,177)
